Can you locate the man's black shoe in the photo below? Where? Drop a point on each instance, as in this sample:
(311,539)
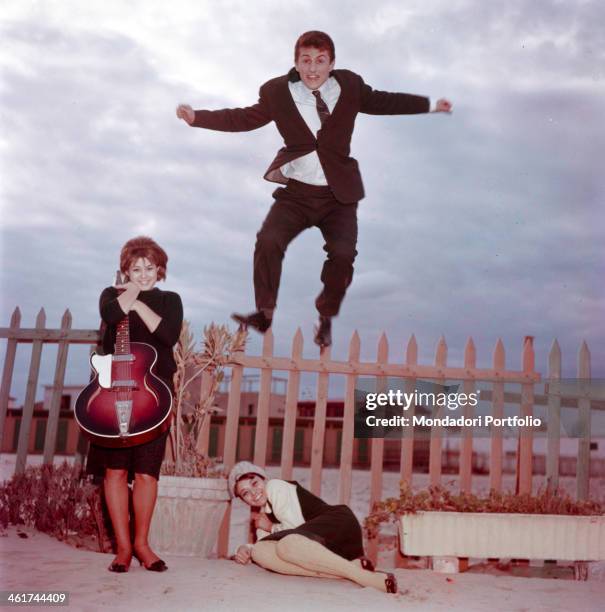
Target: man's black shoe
(323,332)
(257,320)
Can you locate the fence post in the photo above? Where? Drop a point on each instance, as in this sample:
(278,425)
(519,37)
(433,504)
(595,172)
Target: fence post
(406,465)
(437,430)
(230,449)
(30,397)
(264,396)
(525,463)
(466,440)
(495,459)
(319,425)
(52,421)
(287,450)
(203,435)
(7,372)
(348,423)
(377,452)
(583,471)
(554,420)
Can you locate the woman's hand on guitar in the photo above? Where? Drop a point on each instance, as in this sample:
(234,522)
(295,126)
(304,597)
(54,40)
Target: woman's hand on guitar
(128,294)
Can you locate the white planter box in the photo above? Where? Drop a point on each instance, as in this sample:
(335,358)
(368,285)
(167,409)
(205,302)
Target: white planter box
(188,514)
(519,536)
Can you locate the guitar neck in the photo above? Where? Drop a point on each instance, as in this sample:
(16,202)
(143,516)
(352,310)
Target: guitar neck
(122,337)
(122,346)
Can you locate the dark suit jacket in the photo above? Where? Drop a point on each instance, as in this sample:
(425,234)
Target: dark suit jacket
(333,141)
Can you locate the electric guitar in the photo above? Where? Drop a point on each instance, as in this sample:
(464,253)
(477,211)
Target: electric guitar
(126,403)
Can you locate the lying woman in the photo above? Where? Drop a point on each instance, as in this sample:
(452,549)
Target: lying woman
(301,535)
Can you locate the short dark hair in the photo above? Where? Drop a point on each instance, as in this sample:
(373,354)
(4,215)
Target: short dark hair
(318,40)
(145,247)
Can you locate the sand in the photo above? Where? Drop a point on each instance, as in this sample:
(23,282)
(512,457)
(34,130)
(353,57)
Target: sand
(40,562)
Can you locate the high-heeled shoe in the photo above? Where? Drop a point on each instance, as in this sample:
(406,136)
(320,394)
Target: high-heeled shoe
(119,568)
(156,566)
(367,564)
(391,583)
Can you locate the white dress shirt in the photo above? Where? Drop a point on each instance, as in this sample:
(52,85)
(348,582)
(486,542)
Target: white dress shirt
(307,169)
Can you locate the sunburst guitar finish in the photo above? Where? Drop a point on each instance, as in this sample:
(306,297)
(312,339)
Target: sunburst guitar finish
(126,403)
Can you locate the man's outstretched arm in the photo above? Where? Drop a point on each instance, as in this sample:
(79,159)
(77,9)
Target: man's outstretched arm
(374,102)
(227,119)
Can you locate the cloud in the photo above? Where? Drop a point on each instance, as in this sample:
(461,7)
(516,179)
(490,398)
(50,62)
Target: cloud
(484,223)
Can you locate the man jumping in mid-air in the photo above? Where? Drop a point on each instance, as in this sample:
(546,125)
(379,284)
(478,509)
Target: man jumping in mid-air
(314,108)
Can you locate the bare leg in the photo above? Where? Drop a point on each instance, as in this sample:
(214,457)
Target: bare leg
(312,556)
(144,495)
(265,555)
(116,497)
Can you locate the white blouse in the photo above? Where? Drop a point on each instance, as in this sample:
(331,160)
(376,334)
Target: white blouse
(282,501)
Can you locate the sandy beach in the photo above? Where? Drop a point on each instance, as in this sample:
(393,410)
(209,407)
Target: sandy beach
(41,563)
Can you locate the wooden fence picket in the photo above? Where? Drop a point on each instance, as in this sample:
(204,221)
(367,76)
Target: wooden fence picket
(525,455)
(583,470)
(466,440)
(264,397)
(319,423)
(437,430)
(9,366)
(289,433)
(495,457)
(30,396)
(406,462)
(52,422)
(554,419)
(348,425)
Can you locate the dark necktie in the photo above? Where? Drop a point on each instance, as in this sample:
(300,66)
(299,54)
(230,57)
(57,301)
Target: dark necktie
(322,108)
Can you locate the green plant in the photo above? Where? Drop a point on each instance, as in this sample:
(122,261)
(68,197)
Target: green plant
(438,498)
(54,500)
(191,417)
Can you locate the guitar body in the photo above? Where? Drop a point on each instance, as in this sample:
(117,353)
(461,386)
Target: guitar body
(126,404)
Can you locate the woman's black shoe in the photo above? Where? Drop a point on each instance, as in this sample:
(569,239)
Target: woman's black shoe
(391,583)
(156,566)
(119,568)
(367,564)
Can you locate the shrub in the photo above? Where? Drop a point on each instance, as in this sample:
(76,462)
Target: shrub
(54,500)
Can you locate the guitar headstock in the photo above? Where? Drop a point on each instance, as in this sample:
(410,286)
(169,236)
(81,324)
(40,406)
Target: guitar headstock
(120,279)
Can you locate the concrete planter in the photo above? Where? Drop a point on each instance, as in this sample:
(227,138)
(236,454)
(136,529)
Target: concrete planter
(518,536)
(188,514)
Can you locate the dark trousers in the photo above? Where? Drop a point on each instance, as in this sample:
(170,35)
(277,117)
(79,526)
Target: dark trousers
(297,207)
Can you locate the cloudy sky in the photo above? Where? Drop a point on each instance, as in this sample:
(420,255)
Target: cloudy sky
(486,223)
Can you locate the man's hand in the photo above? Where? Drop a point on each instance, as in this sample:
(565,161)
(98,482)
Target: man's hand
(262,521)
(185,112)
(243,554)
(443,106)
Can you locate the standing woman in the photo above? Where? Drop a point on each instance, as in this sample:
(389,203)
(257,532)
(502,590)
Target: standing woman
(155,317)
(301,535)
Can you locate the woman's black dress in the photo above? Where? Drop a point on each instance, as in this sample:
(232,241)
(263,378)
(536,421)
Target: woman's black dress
(335,527)
(145,458)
